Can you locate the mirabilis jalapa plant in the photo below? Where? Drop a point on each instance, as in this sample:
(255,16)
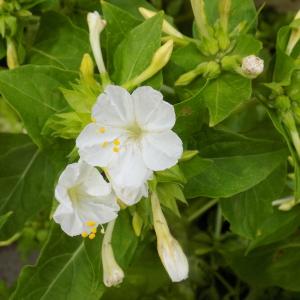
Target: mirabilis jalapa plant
(129,137)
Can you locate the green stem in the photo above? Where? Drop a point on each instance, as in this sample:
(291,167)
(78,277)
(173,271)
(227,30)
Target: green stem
(202,210)
(10,240)
(218,227)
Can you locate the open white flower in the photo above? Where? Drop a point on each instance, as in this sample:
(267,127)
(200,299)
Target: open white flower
(131,135)
(85,200)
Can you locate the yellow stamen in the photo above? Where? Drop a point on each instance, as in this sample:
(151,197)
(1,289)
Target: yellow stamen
(94,230)
(117,142)
(102,129)
(104,144)
(92,236)
(90,223)
(116,149)
(84,234)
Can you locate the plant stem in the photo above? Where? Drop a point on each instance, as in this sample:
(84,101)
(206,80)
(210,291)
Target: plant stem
(202,210)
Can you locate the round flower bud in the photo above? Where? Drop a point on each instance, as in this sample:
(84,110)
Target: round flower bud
(252,65)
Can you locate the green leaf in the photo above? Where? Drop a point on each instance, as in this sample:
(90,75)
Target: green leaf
(224,94)
(34,93)
(276,265)
(135,52)
(119,24)
(27,178)
(68,268)
(246,44)
(230,164)
(59,43)
(71,268)
(248,212)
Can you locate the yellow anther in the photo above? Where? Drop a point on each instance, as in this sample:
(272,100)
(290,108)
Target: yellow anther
(93,119)
(116,149)
(84,234)
(92,236)
(104,144)
(94,230)
(90,223)
(101,129)
(117,142)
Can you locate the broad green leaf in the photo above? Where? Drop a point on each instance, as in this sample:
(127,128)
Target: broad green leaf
(135,52)
(246,44)
(276,265)
(119,23)
(68,268)
(71,268)
(27,177)
(224,94)
(59,43)
(241,11)
(248,212)
(34,93)
(230,164)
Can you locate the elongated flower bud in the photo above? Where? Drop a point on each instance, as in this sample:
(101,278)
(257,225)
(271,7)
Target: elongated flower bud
(166,27)
(96,25)
(11,54)
(252,66)
(160,58)
(294,37)
(87,68)
(169,250)
(112,273)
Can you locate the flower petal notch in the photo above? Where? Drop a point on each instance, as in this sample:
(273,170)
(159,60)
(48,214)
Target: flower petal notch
(85,200)
(132,135)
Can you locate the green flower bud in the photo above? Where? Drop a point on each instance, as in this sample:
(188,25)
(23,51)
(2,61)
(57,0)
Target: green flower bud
(283,103)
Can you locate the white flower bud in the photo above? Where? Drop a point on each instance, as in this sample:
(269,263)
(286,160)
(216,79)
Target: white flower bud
(285,204)
(169,250)
(96,25)
(252,65)
(112,273)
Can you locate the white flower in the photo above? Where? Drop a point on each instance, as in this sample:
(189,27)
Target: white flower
(96,25)
(169,250)
(131,135)
(85,200)
(252,65)
(112,272)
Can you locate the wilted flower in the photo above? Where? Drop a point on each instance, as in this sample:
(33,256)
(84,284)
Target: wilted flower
(85,200)
(112,272)
(169,250)
(131,135)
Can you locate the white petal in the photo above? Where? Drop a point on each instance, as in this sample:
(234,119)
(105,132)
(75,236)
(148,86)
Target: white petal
(98,155)
(161,150)
(68,220)
(91,135)
(114,107)
(129,168)
(92,182)
(69,176)
(101,210)
(152,113)
(131,195)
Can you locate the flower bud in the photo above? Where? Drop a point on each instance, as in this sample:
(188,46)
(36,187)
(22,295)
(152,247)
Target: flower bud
(166,27)
(87,68)
(11,54)
(96,25)
(285,204)
(252,66)
(169,250)
(112,273)
(294,37)
(160,58)
(188,154)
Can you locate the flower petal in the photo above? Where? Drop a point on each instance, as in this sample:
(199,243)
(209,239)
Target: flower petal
(114,107)
(68,220)
(161,150)
(129,169)
(151,111)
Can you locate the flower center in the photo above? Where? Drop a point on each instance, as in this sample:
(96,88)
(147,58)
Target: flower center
(135,131)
